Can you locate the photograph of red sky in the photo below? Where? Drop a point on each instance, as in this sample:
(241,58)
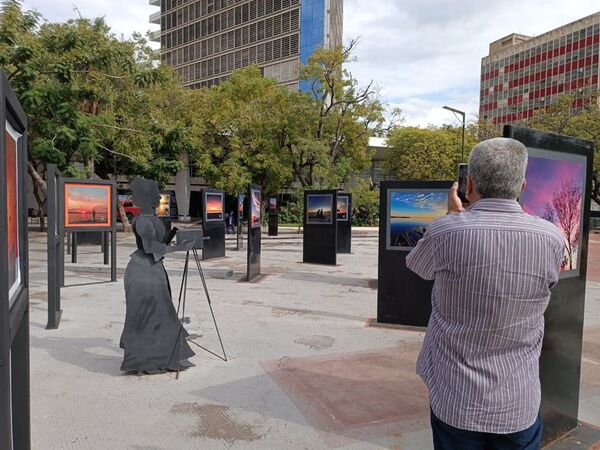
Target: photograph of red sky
(12,214)
(554,193)
(87,205)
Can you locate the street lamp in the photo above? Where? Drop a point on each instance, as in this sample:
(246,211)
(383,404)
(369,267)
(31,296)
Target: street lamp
(462,113)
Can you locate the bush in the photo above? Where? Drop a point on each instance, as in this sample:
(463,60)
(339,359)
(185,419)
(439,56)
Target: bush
(365,205)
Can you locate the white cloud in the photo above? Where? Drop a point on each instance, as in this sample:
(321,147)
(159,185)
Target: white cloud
(424,54)
(124,17)
(427,54)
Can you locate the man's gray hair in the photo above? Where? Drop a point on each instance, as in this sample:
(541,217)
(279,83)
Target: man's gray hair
(497,167)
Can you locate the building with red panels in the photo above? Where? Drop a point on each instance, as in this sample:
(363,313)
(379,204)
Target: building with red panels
(523,73)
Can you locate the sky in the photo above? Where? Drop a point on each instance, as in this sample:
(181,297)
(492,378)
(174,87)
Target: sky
(421,54)
(423,205)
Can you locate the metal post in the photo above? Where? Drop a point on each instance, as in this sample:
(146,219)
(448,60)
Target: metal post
(74,247)
(463,139)
(113,255)
(105,247)
(20,385)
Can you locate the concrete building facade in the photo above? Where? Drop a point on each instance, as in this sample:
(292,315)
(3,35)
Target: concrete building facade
(205,40)
(522,74)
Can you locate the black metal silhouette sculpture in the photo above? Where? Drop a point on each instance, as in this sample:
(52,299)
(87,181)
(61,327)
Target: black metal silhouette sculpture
(152,328)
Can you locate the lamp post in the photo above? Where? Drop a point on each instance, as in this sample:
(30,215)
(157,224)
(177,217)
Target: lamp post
(462,113)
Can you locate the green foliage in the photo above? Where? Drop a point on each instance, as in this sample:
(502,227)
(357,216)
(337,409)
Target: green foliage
(252,130)
(365,204)
(562,117)
(426,153)
(92,100)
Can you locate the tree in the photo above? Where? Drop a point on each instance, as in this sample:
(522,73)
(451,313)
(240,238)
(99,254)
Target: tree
(339,116)
(431,153)
(566,210)
(239,127)
(565,117)
(92,100)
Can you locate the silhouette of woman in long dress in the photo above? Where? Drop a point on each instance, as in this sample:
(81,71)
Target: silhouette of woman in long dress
(152,329)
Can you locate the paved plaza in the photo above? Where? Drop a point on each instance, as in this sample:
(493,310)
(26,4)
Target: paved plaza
(304,369)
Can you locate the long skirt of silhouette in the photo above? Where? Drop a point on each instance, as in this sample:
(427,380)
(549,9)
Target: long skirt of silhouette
(152,329)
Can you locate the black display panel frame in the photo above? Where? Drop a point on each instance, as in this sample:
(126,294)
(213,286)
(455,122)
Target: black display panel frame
(273,216)
(320,239)
(254,232)
(15,415)
(403,297)
(344,226)
(560,359)
(214,229)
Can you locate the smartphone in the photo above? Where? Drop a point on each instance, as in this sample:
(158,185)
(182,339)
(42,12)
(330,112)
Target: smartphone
(463,172)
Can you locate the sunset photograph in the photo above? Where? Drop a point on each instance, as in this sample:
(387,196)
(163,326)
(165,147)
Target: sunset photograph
(255,208)
(342,207)
(554,192)
(319,208)
(214,206)
(410,212)
(87,205)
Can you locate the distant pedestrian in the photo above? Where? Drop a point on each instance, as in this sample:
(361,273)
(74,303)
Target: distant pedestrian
(493,267)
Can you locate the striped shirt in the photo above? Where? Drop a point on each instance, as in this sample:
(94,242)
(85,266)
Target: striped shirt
(493,267)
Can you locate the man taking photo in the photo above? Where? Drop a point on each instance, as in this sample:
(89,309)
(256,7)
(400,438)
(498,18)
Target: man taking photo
(493,267)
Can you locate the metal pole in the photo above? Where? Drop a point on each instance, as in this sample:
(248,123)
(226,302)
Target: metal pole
(463,139)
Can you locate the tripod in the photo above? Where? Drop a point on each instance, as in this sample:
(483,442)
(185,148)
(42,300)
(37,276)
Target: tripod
(181,306)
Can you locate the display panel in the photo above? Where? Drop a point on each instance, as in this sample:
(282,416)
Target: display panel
(319,209)
(410,212)
(213,207)
(343,204)
(241,199)
(87,205)
(164,207)
(12,213)
(554,192)
(273,205)
(255,207)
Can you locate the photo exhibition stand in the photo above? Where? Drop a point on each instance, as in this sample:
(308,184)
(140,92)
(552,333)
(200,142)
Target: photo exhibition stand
(403,297)
(344,223)
(560,361)
(320,224)
(273,216)
(213,223)
(254,232)
(240,222)
(15,431)
(61,191)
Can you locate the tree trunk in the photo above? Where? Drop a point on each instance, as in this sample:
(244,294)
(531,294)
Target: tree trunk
(40,197)
(124,219)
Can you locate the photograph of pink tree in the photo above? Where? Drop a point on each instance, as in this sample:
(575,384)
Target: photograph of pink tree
(554,192)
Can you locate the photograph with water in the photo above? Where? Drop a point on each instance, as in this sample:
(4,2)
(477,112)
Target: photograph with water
(410,211)
(87,205)
(555,192)
(319,208)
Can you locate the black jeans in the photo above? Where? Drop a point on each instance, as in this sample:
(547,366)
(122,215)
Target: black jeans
(446,437)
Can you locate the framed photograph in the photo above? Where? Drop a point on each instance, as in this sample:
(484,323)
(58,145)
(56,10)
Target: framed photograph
(213,207)
(410,211)
(555,192)
(164,207)
(87,205)
(12,163)
(319,209)
(273,205)
(343,205)
(255,208)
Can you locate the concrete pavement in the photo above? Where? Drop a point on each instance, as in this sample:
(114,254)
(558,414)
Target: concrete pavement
(304,370)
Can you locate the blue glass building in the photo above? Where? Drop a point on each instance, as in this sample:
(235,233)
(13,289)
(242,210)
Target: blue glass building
(205,40)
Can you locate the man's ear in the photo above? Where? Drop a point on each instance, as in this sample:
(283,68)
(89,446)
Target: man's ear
(523,186)
(470,188)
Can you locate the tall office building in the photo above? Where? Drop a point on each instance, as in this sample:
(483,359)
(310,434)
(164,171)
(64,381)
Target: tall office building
(205,40)
(523,73)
